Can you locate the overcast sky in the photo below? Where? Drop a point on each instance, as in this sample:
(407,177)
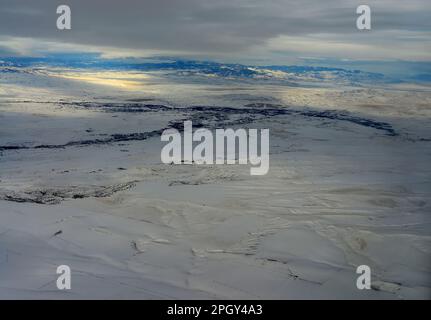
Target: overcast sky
(259,31)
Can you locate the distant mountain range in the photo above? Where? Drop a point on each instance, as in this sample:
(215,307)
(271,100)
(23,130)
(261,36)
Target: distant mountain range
(191,68)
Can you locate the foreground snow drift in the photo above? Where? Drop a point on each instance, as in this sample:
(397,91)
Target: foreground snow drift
(81,184)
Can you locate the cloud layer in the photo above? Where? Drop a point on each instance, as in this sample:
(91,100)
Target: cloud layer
(270,30)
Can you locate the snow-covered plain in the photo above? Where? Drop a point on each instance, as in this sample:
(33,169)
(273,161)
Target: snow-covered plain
(82,184)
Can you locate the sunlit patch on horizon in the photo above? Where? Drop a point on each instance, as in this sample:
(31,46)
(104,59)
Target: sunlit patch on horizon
(118,79)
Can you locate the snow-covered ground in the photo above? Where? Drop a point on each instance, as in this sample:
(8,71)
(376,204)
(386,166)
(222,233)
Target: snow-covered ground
(82,184)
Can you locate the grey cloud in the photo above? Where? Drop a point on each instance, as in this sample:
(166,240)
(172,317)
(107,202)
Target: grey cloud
(6,51)
(202,26)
